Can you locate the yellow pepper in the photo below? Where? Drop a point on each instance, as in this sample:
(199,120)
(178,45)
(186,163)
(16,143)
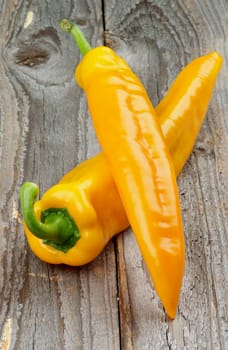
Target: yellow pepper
(128,131)
(130,135)
(89,192)
(76,218)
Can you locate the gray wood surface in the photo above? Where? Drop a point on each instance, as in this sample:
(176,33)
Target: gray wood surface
(45,130)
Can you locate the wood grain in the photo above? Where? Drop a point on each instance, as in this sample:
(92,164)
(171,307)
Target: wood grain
(45,130)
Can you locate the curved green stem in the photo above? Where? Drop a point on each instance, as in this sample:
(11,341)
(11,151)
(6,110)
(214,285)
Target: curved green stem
(56,227)
(78,36)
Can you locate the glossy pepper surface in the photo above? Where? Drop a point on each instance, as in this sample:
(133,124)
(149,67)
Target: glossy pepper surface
(131,138)
(92,201)
(187,103)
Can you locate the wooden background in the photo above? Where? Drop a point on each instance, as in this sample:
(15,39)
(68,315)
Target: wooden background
(45,130)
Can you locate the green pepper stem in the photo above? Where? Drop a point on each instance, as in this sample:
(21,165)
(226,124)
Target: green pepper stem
(78,36)
(57,228)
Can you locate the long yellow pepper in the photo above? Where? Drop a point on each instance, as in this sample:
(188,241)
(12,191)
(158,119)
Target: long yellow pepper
(89,192)
(129,133)
(128,130)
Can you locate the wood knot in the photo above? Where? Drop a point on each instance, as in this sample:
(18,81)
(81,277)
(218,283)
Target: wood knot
(31,57)
(38,48)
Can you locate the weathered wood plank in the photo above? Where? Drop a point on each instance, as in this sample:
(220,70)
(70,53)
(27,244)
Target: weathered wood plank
(56,307)
(45,131)
(158,38)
